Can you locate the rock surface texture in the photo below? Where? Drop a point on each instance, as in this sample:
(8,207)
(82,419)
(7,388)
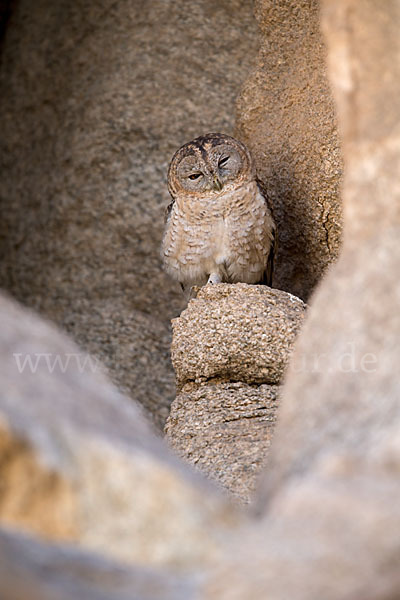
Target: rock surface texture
(286,116)
(95,97)
(225,431)
(230,350)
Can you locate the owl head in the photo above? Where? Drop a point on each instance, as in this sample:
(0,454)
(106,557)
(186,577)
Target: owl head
(210,164)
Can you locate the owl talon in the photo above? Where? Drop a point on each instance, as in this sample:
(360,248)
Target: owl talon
(214,278)
(194,290)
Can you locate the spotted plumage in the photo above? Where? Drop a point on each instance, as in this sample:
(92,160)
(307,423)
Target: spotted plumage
(219,227)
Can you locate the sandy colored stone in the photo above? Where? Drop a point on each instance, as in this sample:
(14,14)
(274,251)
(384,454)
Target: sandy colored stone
(95,97)
(329,512)
(230,349)
(79,463)
(30,568)
(225,431)
(286,116)
(236,332)
(332,534)
(359,350)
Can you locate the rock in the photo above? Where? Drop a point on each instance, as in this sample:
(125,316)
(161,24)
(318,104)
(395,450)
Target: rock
(225,431)
(237,333)
(286,116)
(94,100)
(30,568)
(329,519)
(80,464)
(128,343)
(356,381)
(332,534)
(230,349)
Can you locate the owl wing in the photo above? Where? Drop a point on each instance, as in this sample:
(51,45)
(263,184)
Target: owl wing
(168,210)
(269,269)
(167,213)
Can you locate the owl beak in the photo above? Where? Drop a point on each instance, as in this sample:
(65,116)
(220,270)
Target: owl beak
(217,184)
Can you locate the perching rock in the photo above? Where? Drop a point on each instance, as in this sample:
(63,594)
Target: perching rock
(286,116)
(225,431)
(79,463)
(230,349)
(236,333)
(95,97)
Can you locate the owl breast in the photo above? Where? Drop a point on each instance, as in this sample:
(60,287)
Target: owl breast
(228,235)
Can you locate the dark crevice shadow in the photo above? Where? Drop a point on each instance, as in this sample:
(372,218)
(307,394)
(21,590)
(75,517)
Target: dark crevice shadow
(293,270)
(6,9)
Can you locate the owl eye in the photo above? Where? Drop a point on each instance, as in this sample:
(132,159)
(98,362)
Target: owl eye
(223,162)
(194,176)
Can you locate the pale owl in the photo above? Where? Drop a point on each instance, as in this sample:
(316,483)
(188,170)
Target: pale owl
(219,227)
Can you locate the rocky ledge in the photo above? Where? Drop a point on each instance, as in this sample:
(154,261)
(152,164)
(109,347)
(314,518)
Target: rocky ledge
(230,350)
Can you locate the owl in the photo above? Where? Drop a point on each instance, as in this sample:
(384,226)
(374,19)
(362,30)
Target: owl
(218,226)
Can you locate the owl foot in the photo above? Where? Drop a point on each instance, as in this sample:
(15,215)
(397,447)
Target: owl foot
(214,278)
(194,290)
